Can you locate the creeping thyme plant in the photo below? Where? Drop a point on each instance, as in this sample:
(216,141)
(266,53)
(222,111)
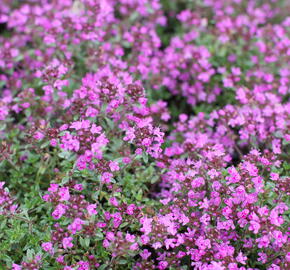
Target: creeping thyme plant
(144,134)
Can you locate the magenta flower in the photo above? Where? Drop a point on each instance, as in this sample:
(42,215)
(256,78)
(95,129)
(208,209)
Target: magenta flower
(59,211)
(91,208)
(48,247)
(67,242)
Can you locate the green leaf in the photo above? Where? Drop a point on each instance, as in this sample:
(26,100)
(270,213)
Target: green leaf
(145,157)
(30,254)
(103,267)
(122,261)
(139,195)
(99,236)
(85,242)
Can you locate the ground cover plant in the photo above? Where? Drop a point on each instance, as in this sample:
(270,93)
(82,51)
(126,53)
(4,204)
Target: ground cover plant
(144,134)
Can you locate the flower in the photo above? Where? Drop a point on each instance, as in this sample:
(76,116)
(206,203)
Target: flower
(48,247)
(114,166)
(59,211)
(67,242)
(91,208)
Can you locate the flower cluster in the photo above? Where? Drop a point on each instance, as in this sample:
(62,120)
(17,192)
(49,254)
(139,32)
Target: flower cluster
(212,211)
(7,205)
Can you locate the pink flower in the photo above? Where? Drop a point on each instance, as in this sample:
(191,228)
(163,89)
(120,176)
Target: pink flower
(130,136)
(288,257)
(254,226)
(203,243)
(53,187)
(60,259)
(145,254)
(274,176)
(106,177)
(114,166)
(130,237)
(69,142)
(145,239)
(252,169)
(53,142)
(67,242)
(47,246)
(80,125)
(146,142)
(138,151)
(91,112)
(95,129)
(38,135)
(64,194)
(78,187)
(76,225)
(262,257)
(147,227)
(162,265)
(114,201)
(241,259)
(156,245)
(263,211)
(117,219)
(130,209)
(216,266)
(110,236)
(83,265)
(59,211)
(16,266)
(91,208)
(280,239)
(126,160)
(263,242)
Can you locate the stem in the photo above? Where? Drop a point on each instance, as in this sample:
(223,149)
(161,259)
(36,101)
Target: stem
(239,151)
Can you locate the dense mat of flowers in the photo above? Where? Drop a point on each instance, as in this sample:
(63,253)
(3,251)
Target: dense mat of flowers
(144,134)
